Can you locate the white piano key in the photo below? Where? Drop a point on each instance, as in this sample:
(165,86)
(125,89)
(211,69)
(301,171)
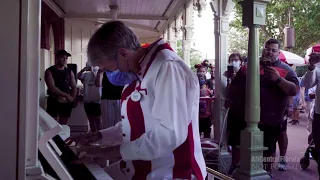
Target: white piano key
(97,171)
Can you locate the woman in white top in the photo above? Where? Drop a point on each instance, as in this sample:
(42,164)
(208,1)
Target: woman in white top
(91,96)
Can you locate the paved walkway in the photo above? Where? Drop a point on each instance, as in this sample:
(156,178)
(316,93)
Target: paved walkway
(297,135)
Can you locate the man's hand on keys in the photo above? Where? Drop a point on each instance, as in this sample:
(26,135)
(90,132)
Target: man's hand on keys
(84,139)
(89,153)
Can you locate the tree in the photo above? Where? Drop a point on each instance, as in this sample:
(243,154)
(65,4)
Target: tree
(305,19)
(301,70)
(238,41)
(195,55)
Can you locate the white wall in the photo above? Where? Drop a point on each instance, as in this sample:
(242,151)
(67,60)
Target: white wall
(146,36)
(9,76)
(19,91)
(77,35)
(44,64)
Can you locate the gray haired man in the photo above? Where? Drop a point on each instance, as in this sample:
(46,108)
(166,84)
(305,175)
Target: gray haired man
(158,135)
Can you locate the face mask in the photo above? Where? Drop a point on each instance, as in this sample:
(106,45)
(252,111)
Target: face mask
(200,74)
(202,82)
(119,78)
(236,65)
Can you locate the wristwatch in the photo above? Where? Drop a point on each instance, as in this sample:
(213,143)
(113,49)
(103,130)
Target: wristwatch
(278,81)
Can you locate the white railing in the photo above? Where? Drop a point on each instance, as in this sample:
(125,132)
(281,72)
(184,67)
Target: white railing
(212,175)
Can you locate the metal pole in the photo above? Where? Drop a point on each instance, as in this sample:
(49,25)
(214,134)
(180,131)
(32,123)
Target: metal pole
(253,80)
(251,145)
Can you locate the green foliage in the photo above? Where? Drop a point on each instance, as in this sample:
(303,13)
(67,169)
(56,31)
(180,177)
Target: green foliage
(301,70)
(237,42)
(195,55)
(305,20)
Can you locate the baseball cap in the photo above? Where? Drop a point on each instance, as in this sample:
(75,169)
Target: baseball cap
(62,52)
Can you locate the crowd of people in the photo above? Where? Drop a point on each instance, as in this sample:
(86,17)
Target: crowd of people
(151,110)
(282,96)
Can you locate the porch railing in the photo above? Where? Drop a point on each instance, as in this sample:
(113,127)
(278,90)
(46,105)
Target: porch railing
(212,175)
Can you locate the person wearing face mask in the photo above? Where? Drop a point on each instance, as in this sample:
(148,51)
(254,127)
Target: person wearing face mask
(203,71)
(278,82)
(205,104)
(158,136)
(91,96)
(206,63)
(235,61)
(311,79)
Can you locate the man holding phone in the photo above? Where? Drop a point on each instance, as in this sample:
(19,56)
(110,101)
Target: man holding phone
(312,79)
(277,83)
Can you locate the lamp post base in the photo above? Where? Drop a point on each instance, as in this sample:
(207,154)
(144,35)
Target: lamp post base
(251,163)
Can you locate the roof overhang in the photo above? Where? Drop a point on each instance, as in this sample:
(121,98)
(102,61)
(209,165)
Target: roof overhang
(141,15)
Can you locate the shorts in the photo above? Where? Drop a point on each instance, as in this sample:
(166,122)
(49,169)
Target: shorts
(295,104)
(56,109)
(283,126)
(270,137)
(316,135)
(92,109)
(205,125)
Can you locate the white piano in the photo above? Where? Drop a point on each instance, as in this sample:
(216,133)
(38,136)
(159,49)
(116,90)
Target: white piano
(56,158)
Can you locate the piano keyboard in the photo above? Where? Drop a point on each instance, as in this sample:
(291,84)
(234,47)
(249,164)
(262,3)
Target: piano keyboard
(97,171)
(87,171)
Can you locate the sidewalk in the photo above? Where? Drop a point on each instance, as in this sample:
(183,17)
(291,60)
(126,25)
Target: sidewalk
(297,135)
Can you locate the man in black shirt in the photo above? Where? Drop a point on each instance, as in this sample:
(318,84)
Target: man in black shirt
(61,88)
(110,100)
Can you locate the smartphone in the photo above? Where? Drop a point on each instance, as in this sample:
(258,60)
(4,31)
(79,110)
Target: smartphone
(230,69)
(266,64)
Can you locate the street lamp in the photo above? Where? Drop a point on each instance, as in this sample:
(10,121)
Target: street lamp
(199,5)
(251,148)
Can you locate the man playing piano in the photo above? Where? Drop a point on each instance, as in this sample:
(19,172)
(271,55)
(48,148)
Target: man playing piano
(158,136)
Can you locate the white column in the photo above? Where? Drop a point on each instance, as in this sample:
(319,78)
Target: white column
(19,94)
(221,29)
(165,35)
(44,63)
(187,29)
(171,38)
(177,25)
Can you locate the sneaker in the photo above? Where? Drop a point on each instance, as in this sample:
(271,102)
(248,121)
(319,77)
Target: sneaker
(294,122)
(232,169)
(271,175)
(310,156)
(282,165)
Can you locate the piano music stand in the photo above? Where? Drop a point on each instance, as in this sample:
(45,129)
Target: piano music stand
(51,128)
(56,158)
